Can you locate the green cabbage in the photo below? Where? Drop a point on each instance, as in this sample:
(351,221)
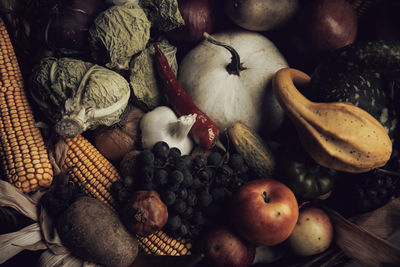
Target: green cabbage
(142,73)
(77,95)
(119,33)
(163,14)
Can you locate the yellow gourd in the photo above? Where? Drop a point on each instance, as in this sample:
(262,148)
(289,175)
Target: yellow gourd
(337,135)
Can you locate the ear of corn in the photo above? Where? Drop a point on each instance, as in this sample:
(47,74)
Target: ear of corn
(95,175)
(90,170)
(25,159)
(23,154)
(160,244)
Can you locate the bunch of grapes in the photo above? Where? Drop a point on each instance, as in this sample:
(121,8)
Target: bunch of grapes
(374,191)
(364,192)
(193,188)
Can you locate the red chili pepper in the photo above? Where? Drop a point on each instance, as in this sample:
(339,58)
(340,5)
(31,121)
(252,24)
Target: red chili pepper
(204,131)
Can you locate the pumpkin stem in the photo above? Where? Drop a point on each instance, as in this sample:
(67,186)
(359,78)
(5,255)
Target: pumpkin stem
(235,66)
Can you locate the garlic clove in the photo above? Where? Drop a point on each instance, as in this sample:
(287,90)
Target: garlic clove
(182,127)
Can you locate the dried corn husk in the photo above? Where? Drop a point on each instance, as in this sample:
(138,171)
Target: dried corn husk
(21,203)
(48,259)
(11,220)
(384,221)
(359,244)
(40,235)
(13,243)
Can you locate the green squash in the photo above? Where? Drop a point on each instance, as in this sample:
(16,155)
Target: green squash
(306,178)
(76,95)
(360,74)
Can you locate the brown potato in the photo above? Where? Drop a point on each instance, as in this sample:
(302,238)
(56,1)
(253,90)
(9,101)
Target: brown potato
(93,232)
(260,15)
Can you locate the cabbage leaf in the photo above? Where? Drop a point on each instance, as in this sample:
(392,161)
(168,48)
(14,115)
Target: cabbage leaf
(143,76)
(119,33)
(163,14)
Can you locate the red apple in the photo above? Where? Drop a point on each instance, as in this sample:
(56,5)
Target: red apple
(223,248)
(312,234)
(264,212)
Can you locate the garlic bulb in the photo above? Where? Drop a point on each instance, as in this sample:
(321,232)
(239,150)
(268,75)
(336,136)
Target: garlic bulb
(161,124)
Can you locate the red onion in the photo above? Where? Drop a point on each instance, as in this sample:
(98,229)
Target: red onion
(199,17)
(67,29)
(114,142)
(320,27)
(330,24)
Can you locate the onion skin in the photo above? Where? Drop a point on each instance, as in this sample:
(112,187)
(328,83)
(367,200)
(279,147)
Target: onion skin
(199,17)
(114,142)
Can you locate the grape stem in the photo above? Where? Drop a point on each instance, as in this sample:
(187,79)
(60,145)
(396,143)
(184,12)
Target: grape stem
(388,172)
(220,145)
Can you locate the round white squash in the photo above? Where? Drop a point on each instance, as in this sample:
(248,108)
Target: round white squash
(224,97)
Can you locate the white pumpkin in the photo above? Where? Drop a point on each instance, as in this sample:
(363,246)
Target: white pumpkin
(224,97)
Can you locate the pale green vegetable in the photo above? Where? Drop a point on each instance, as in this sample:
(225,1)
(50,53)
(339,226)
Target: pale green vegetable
(142,73)
(163,14)
(119,33)
(77,95)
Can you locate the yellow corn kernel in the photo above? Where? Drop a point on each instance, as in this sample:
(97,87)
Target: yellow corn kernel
(19,137)
(160,244)
(85,162)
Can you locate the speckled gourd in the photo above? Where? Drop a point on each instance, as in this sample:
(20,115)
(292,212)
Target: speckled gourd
(361,73)
(337,135)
